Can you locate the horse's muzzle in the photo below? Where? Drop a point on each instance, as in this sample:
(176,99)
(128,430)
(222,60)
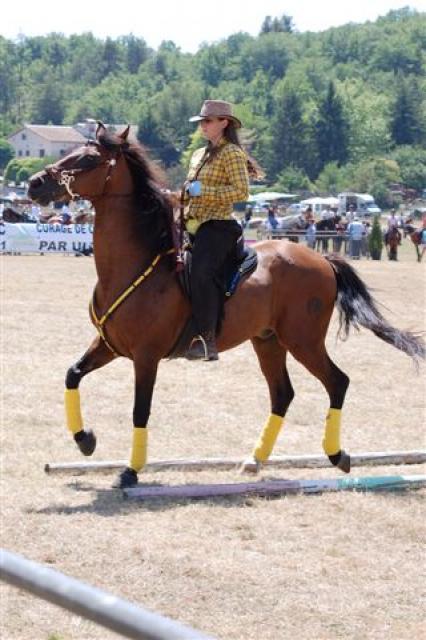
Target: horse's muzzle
(42,189)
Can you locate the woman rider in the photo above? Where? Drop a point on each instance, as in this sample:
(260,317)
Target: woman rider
(218,177)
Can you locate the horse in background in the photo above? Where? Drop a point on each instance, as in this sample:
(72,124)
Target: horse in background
(284,305)
(392,242)
(415,235)
(13,216)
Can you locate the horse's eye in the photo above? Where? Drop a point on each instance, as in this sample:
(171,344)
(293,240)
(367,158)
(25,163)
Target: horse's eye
(86,162)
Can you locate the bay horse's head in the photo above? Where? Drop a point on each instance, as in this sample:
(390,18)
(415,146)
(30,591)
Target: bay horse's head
(83,173)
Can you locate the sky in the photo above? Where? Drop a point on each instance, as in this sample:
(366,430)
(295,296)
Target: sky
(188,23)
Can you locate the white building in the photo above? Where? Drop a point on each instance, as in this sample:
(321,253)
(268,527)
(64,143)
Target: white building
(42,140)
(45,140)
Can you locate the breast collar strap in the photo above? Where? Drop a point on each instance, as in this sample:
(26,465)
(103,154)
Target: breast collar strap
(100,322)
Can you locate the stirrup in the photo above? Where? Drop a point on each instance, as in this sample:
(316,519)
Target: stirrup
(202,349)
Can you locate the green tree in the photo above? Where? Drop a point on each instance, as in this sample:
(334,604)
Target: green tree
(332,130)
(6,153)
(20,169)
(368,115)
(407,119)
(374,176)
(284,24)
(332,179)
(412,166)
(270,53)
(152,134)
(136,52)
(289,130)
(293,179)
(196,142)
(110,57)
(375,240)
(49,101)
(56,52)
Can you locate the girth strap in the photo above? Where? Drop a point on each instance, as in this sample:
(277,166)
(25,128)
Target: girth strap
(100,322)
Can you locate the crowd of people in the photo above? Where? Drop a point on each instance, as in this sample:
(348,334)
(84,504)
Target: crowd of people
(78,213)
(348,234)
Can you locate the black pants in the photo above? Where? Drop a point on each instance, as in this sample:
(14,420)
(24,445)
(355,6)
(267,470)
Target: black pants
(213,243)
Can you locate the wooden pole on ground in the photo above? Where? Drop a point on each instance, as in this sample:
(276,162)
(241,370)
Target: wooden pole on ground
(276,487)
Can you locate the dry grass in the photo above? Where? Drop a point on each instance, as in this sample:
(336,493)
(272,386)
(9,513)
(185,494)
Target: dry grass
(327,567)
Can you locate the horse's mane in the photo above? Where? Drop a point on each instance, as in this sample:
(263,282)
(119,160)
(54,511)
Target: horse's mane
(154,209)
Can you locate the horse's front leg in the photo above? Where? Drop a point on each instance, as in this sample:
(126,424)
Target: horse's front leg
(95,357)
(145,375)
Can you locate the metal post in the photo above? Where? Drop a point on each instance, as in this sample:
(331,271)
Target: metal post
(101,607)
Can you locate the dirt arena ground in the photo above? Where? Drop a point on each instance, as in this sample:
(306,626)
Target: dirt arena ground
(337,566)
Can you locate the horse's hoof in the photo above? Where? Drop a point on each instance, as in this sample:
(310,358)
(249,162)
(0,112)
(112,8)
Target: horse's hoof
(86,441)
(127,479)
(341,460)
(251,465)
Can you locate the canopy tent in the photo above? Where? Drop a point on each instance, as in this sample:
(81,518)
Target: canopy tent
(331,202)
(267,196)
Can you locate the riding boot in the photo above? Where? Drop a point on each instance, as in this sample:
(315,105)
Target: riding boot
(203,347)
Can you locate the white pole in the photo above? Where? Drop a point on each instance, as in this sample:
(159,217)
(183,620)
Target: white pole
(104,608)
(369,459)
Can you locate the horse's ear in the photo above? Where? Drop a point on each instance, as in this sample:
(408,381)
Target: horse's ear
(100,129)
(125,133)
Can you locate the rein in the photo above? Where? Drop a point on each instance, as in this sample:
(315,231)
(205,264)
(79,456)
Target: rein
(180,260)
(100,322)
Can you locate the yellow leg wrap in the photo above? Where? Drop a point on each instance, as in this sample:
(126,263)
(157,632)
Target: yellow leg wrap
(72,410)
(267,439)
(139,446)
(331,440)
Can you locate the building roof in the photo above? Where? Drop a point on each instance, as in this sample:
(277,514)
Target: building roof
(53,133)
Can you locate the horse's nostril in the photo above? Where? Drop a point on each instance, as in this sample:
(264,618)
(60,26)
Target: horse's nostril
(36,183)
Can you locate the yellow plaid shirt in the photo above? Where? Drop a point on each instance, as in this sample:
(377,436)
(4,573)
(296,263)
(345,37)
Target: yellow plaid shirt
(224,181)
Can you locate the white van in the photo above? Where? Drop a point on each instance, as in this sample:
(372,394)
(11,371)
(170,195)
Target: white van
(363,202)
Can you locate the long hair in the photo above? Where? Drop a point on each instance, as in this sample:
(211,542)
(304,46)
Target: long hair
(230,134)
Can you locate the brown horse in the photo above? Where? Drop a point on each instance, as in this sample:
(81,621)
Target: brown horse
(392,241)
(284,305)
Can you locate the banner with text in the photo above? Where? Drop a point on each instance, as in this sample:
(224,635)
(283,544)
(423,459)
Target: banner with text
(46,238)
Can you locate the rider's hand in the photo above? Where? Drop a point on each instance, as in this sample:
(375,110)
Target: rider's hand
(194,188)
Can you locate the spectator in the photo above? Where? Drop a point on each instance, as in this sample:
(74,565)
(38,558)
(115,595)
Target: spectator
(327,213)
(365,251)
(65,215)
(356,231)
(351,213)
(35,212)
(309,215)
(392,220)
(422,246)
(247,217)
(311,232)
(340,228)
(272,223)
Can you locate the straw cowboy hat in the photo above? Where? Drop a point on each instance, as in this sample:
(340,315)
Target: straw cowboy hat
(216,109)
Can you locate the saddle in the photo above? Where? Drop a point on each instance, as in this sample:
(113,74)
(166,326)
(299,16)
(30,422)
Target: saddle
(243,262)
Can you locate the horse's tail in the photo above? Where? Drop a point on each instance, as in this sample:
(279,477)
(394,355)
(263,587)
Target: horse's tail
(358,308)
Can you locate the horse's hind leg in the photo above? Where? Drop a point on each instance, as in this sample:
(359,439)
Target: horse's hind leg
(95,357)
(272,360)
(316,359)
